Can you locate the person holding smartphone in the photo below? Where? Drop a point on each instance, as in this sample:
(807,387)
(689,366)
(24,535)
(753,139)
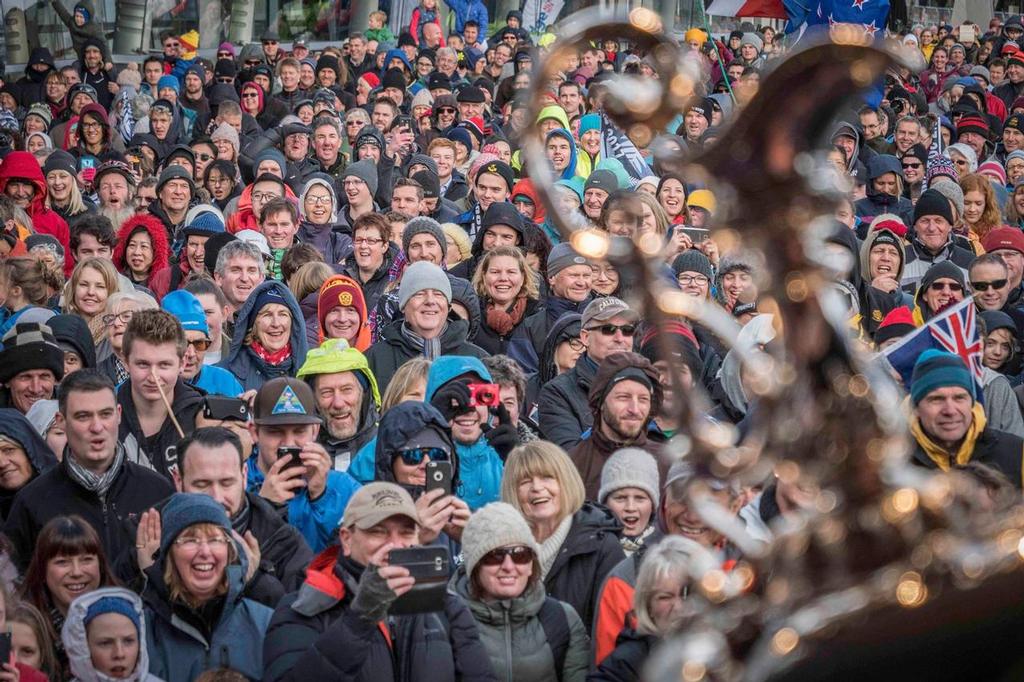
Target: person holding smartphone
(337,626)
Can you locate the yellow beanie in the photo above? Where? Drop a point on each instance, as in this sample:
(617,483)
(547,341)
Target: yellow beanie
(696,34)
(189,44)
(702,198)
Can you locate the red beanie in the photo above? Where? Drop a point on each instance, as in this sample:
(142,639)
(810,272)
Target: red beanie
(372,79)
(339,290)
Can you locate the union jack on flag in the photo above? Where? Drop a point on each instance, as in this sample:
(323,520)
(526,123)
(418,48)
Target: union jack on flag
(954,331)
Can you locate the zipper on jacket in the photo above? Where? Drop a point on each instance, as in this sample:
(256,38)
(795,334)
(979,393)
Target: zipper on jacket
(508,647)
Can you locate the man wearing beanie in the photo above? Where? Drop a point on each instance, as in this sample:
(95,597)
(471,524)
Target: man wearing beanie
(31,364)
(174,192)
(949,425)
(359,184)
(332,627)
(184,306)
(932,241)
(548,639)
(425,300)
(502,226)
(897,324)
(493,183)
(943,286)
(624,396)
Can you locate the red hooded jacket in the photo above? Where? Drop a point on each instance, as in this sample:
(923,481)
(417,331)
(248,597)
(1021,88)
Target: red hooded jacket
(157,235)
(525,187)
(23,165)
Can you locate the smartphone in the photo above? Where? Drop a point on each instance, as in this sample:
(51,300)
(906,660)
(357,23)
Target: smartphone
(294,454)
(696,234)
(5,647)
(430,566)
(439,475)
(221,408)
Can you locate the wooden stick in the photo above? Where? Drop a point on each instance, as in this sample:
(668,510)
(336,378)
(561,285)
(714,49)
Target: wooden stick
(167,403)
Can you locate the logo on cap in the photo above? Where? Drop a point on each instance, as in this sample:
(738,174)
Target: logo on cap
(579,260)
(387,498)
(345,298)
(288,403)
(492,168)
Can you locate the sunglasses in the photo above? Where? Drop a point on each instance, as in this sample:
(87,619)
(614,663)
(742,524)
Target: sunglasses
(942,286)
(200,344)
(446,110)
(912,165)
(984,286)
(496,557)
(204,157)
(226,79)
(414,456)
(610,329)
(224,55)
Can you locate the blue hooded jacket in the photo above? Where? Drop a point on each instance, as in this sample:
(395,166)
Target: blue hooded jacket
(570,170)
(14,426)
(249,369)
(401,424)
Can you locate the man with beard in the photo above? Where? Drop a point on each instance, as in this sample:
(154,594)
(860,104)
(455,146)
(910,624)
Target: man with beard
(194,97)
(696,120)
(624,396)
(95,73)
(115,186)
(346,396)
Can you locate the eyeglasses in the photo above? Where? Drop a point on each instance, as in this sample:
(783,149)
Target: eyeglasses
(368,241)
(687,280)
(203,157)
(914,166)
(414,456)
(200,344)
(90,125)
(610,329)
(942,286)
(193,544)
(264,196)
(577,345)
(318,200)
(225,79)
(269,42)
(496,557)
(123,318)
(247,95)
(984,286)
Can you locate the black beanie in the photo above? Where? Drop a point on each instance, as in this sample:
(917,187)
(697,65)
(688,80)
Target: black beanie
(225,68)
(932,202)
(394,78)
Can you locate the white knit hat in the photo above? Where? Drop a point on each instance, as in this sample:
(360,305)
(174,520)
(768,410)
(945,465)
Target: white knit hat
(495,525)
(630,468)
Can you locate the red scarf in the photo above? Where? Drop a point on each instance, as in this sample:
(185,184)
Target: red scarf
(272,358)
(504,320)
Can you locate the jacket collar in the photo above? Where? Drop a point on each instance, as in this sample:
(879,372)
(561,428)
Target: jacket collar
(938,455)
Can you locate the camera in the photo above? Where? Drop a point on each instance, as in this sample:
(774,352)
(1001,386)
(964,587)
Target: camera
(484,395)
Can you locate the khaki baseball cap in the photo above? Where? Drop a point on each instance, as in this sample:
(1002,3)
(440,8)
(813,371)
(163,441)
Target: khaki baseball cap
(285,401)
(604,309)
(375,502)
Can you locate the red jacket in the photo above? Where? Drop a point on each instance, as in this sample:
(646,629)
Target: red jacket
(157,234)
(23,165)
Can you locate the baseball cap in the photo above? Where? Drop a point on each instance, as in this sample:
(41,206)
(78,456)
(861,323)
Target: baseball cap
(285,401)
(604,309)
(1004,238)
(375,502)
(254,237)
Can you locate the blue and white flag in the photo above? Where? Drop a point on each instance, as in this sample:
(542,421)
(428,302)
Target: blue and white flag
(872,15)
(615,144)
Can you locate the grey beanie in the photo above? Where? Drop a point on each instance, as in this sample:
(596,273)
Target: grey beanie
(563,256)
(630,468)
(752,39)
(953,192)
(176,172)
(365,170)
(692,260)
(423,275)
(419,225)
(492,526)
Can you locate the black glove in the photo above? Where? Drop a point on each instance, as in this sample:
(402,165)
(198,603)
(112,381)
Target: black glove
(451,400)
(503,437)
(373,596)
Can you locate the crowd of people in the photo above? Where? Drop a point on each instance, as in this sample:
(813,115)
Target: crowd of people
(271,321)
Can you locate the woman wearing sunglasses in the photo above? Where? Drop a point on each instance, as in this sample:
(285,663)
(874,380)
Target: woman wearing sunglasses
(944,285)
(527,634)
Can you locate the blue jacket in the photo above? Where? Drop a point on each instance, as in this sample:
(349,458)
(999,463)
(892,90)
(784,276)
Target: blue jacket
(178,650)
(218,381)
(570,170)
(317,520)
(480,466)
(469,10)
(250,370)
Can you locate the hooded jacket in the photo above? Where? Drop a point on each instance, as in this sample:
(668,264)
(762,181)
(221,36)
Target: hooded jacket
(593,451)
(515,639)
(877,203)
(409,418)
(563,406)
(626,662)
(158,452)
(856,165)
(570,170)
(240,360)
(315,635)
(333,240)
(24,165)
(76,644)
(529,338)
(525,188)
(479,467)
(31,87)
(74,331)
(244,218)
(872,304)
(394,348)
(546,370)
(14,426)
(179,650)
(161,249)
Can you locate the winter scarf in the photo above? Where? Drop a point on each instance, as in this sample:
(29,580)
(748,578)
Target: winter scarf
(430,348)
(272,358)
(549,548)
(504,320)
(97,484)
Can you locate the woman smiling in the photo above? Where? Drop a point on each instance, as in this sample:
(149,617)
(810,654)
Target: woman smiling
(508,292)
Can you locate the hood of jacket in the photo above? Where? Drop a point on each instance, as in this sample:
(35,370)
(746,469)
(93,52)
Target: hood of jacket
(15,426)
(865,252)
(570,170)
(877,166)
(516,611)
(547,369)
(24,165)
(462,292)
(157,234)
(592,518)
(73,635)
(324,181)
(397,427)
(525,188)
(447,367)
(394,53)
(843,236)
(74,331)
(845,128)
(247,315)
(609,368)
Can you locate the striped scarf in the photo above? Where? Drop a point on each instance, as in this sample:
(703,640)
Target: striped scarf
(98,484)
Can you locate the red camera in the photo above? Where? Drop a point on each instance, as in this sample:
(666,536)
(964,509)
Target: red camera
(486,395)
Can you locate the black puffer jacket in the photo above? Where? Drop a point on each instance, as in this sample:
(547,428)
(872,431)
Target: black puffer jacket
(315,635)
(394,349)
(626,662)
(588,554)
(564,406)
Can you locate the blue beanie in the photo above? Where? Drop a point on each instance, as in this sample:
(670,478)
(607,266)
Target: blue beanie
(168,81)
(205,224)
(112,605)
(271,154)
(589,122)
(460,135)
(266,297)
(188,509)
(938,369)
(187,308)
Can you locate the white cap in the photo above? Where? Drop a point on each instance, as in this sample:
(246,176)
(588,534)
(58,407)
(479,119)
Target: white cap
(254,237)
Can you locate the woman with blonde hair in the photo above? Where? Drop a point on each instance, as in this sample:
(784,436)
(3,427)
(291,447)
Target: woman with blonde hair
(579,541)
(91,283)
(981,209)
(508,291)
(119,310)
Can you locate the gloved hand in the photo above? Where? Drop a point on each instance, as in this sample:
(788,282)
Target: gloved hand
(373,596)
(503,437)
(452,399)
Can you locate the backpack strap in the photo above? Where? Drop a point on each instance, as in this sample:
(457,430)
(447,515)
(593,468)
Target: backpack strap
(556,631)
